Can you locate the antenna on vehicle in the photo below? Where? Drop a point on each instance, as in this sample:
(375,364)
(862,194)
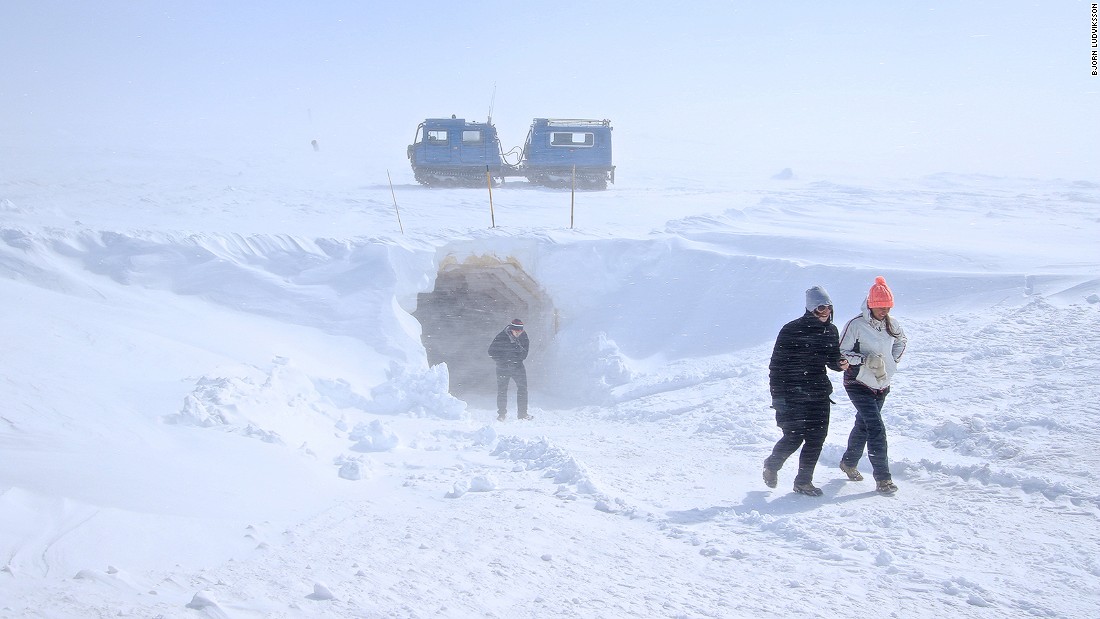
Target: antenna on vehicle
(492,102)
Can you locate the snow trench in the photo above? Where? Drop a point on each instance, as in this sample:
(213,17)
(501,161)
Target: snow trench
(600,311)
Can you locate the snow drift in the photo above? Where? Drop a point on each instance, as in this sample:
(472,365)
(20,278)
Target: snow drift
(208,416)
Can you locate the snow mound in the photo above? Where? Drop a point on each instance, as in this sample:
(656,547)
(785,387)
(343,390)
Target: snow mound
(417,393)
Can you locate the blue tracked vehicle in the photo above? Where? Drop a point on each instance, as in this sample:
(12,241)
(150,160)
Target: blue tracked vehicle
(455,152)
(559,152)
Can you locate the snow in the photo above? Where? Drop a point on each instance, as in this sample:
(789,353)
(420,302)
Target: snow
(218,404)
(218,401)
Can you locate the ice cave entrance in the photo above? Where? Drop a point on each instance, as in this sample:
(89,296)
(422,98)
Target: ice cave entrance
(472,301)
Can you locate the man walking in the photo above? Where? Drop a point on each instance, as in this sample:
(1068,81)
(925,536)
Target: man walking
(800,389)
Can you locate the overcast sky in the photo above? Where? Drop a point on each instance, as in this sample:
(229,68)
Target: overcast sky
(867,87)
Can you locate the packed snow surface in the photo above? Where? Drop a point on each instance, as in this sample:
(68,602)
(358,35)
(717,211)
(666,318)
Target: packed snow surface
(217,402)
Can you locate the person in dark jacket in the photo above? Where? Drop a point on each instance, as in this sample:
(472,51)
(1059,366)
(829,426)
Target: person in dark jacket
(509,349)
(800,389)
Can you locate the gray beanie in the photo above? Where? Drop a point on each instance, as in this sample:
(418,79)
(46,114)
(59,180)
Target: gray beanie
(817,296)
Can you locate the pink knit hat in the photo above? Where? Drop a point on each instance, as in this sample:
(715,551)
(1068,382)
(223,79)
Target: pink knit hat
(880,294)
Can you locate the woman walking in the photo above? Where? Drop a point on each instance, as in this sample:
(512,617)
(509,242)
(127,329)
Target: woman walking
(873,343)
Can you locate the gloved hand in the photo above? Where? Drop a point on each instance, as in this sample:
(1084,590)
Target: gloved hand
(877,365)
(782,416)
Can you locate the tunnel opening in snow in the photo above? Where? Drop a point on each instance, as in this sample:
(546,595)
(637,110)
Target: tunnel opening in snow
(471,303)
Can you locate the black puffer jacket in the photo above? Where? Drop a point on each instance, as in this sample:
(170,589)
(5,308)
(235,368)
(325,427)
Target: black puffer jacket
(804,348)
(507,350)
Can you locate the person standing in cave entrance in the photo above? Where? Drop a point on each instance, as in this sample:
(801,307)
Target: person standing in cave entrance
(509,349)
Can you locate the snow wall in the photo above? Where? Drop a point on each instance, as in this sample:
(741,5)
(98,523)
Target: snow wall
(600,311)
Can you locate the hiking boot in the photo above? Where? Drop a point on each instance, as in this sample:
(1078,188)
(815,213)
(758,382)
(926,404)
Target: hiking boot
(886,486)
(525,416)
(808,489)
(502,416)
(771,478)
(851,471)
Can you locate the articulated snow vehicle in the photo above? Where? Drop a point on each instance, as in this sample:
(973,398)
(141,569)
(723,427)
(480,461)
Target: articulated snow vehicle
(454,152)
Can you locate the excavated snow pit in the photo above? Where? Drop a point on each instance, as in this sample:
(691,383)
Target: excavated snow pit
(471,303)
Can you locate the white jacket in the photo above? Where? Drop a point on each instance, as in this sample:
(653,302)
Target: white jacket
(866,343)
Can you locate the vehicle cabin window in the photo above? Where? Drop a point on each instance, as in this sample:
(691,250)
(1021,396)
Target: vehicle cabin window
(471,136)
(571,138)
(437,135)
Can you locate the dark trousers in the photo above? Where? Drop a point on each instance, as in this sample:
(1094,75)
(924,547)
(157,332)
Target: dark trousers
(868,432)
(518,373)
(805,425)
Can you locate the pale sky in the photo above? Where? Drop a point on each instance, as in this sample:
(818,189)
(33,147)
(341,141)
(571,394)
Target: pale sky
(900,89)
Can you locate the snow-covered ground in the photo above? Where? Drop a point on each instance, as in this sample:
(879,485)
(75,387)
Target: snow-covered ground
(217,402)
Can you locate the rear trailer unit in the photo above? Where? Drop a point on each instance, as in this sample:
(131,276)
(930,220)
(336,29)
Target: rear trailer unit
(562,151)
